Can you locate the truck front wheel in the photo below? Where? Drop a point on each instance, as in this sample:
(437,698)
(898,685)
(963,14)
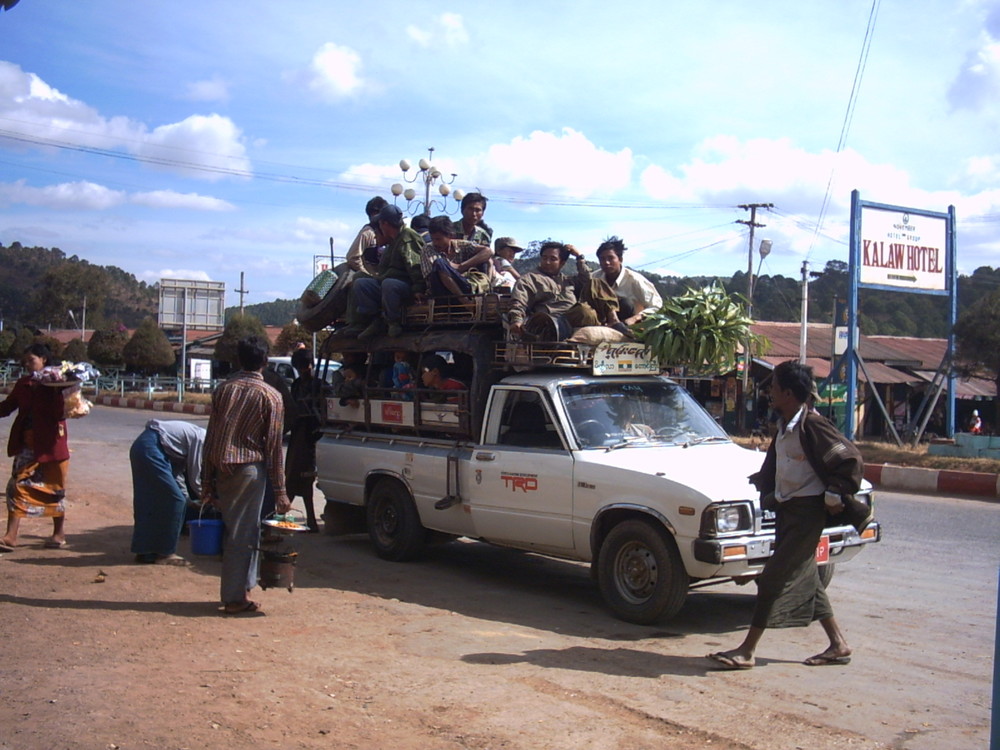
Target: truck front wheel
(393,522)
(640,573)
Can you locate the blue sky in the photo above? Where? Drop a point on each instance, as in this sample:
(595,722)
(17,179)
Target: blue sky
(198,140)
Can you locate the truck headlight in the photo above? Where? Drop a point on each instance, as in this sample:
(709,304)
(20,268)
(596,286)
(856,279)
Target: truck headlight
(727,519)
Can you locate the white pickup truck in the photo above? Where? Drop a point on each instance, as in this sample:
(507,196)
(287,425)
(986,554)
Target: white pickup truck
(558,450)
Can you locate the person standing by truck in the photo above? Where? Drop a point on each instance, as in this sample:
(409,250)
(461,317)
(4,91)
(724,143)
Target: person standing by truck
(243,451)
(809,467)
(309,395)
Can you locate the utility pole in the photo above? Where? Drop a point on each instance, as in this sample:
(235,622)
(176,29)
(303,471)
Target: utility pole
(241,291)
(805,312)
(752,223)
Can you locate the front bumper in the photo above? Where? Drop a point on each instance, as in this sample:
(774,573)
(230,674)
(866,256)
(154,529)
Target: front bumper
(743,553)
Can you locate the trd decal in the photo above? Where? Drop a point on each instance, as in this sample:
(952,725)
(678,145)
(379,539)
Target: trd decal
(523,482)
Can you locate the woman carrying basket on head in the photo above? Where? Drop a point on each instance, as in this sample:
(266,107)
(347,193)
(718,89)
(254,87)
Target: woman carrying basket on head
(39,445)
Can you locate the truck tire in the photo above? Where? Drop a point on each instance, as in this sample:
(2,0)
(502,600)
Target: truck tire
(640,573)
(826,574)
(393,522)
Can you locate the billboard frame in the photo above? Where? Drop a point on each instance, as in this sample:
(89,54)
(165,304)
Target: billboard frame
(950,290)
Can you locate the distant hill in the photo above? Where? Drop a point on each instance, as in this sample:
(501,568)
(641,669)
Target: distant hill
(40,285)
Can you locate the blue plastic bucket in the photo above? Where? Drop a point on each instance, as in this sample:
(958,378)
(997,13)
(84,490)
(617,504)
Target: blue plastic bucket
(206,536)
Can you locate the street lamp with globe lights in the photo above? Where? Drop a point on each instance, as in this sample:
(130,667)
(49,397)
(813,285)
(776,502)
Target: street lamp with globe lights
(430,176)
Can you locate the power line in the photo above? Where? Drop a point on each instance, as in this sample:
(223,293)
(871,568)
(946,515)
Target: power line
(848,117)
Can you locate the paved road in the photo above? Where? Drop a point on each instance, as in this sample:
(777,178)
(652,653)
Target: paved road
(919,609)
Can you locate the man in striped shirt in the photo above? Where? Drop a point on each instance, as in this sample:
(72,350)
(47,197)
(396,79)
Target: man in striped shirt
(242,449)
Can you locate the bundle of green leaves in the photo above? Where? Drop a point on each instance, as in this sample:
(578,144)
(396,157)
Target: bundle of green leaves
(701,330)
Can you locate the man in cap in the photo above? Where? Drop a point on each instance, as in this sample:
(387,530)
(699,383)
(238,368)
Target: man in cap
(377,302)
(636,294)
(503,262)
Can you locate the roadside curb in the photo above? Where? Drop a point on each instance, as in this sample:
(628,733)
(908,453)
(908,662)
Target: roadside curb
(141,403)
(931,481)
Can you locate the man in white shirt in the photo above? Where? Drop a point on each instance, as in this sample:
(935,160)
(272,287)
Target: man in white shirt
(636,294)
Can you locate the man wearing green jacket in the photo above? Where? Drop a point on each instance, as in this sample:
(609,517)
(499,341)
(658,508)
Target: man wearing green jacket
(378,301)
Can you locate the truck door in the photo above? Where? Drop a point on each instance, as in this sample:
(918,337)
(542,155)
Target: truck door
(522,475)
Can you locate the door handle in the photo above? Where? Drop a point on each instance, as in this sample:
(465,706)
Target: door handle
(485,456)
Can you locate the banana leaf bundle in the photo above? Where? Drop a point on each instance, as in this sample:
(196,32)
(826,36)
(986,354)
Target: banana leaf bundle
(700,330)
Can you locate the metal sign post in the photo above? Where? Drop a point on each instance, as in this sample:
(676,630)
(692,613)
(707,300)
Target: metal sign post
(899,249)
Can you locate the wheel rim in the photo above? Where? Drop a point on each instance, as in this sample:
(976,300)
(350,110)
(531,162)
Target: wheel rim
(386,521)
(635,572)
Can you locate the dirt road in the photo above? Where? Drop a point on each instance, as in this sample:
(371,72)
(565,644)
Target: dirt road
(474,647)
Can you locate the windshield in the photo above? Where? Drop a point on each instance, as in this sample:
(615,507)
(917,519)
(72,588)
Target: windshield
(617,414)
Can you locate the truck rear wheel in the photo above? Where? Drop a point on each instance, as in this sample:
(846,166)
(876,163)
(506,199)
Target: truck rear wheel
(393,522)
(640,573)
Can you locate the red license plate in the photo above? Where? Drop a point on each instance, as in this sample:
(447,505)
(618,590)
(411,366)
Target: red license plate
(823,550)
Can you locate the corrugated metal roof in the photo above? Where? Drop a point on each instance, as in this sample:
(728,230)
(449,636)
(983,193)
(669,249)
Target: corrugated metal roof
(900,351)
(821,369)
(965,388)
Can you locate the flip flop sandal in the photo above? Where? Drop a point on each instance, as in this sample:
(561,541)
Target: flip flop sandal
(729,662)
(52,544)
(248,609)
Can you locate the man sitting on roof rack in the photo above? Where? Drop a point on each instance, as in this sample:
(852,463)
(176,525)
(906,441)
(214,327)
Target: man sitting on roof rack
(377,303)
(573,302)
(454,267)
(636,294)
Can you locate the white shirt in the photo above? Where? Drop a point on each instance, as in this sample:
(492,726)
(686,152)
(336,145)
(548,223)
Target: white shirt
(794,476)
(634,287)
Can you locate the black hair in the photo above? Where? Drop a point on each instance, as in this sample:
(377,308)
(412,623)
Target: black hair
(612,243)
(251,352)
(433,362)
(420,223)
(441,225)
(301,359)
(375,205)
(41,351)
(795,377)
(561,247)
(474,198)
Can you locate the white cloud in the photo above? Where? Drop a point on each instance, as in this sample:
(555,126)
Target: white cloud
(68,196)
(977,84)
(88,196)
(199,142)
(171,199)
(566,163)
(420,36)
(213,89)
(334,72)
(153,277)
(41,116)
(448,29)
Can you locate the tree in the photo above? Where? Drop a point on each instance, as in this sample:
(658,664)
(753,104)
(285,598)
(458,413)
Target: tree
(290,337)
(237,327)
(106,345)
(24,338)
(977,338)
(75,351)
(148,350)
